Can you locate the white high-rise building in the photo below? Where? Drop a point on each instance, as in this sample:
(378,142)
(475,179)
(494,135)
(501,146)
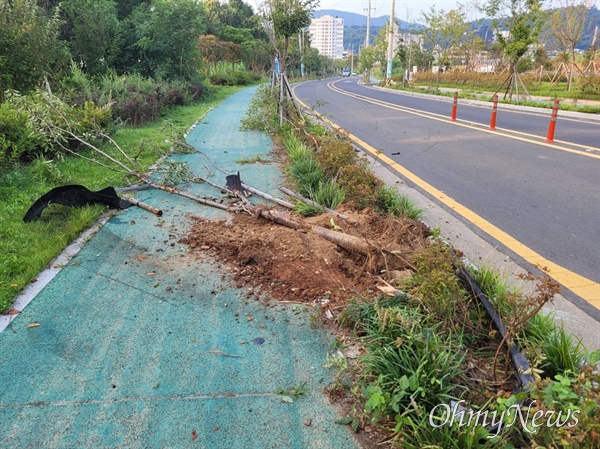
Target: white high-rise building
(327,36)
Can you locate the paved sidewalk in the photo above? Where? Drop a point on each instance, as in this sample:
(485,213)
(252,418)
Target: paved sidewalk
(141,345)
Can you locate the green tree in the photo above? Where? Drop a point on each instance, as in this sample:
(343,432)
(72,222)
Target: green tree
(522,20)
(29,44)
(166,35)
(234,13)
(445,32)
(93,34)
(211,51)
(237,35)
(126,7)
(257,55)
(285,19)
(367,59)
(214,26)
(237,14)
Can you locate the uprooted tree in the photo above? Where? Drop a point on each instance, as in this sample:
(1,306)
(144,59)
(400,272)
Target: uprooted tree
(50,116)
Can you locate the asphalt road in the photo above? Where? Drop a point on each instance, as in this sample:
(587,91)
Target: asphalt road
(546,198)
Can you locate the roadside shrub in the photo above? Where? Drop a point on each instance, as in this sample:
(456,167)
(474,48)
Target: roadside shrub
(262,112)
(91,117)
(591,84)
(242,78)
(561,353)
(334,154)
(17,141)
(135,100)
(237,78)
(50,120)
(408,364)
(196,90)
(222,79)
(571,393)
(438,288)
(359,183)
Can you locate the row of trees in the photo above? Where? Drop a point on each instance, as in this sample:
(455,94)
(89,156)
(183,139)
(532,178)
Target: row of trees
(450,38)
(163,39)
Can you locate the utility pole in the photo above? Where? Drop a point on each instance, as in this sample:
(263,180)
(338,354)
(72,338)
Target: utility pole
(368,24)
(352,60)
(409,38)
(390,43)
(301,45)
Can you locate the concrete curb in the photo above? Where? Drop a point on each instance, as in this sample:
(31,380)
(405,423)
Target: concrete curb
(581,116)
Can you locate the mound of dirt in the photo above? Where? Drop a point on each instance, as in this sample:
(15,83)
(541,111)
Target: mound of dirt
(301,266)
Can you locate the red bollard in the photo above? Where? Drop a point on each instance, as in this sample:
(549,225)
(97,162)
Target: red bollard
(552,126)
(454,106)
(494,112)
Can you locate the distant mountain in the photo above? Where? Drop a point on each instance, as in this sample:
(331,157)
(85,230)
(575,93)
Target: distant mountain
(355,26)
(352,19)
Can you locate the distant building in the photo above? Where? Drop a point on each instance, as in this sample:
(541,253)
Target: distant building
(405,39)
(327,36)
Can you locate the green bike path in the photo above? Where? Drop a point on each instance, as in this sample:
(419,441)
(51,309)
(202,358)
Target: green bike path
(141,344)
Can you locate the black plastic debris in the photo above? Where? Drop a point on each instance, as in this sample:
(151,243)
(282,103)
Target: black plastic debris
(75,196)
(234,183)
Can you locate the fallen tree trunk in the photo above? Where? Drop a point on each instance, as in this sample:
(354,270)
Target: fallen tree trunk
(191,196)
(345,241)
(268,197)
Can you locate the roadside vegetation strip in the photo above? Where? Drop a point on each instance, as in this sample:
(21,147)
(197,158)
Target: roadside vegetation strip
(580,285)
(428,343)
(530,138)
(26,248)
(477,85)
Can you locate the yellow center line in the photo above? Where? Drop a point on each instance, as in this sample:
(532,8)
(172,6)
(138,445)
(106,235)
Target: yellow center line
(580,285)
(465,124)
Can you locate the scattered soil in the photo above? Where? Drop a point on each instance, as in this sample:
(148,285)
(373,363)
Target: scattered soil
(300,266)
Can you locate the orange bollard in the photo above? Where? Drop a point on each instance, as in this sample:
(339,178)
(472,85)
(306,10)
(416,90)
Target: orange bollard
(454,106)
(494,112)
(552,126)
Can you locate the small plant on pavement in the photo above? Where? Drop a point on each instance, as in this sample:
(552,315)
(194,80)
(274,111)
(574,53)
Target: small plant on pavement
(292,394)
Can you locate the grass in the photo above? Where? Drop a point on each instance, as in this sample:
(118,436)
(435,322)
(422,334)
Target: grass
(479,94)
(308,175)
(329,194)
(391,202)
(432,344)
(251,160)
(26,248)
(562,353)
(546,343)
(308,210)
